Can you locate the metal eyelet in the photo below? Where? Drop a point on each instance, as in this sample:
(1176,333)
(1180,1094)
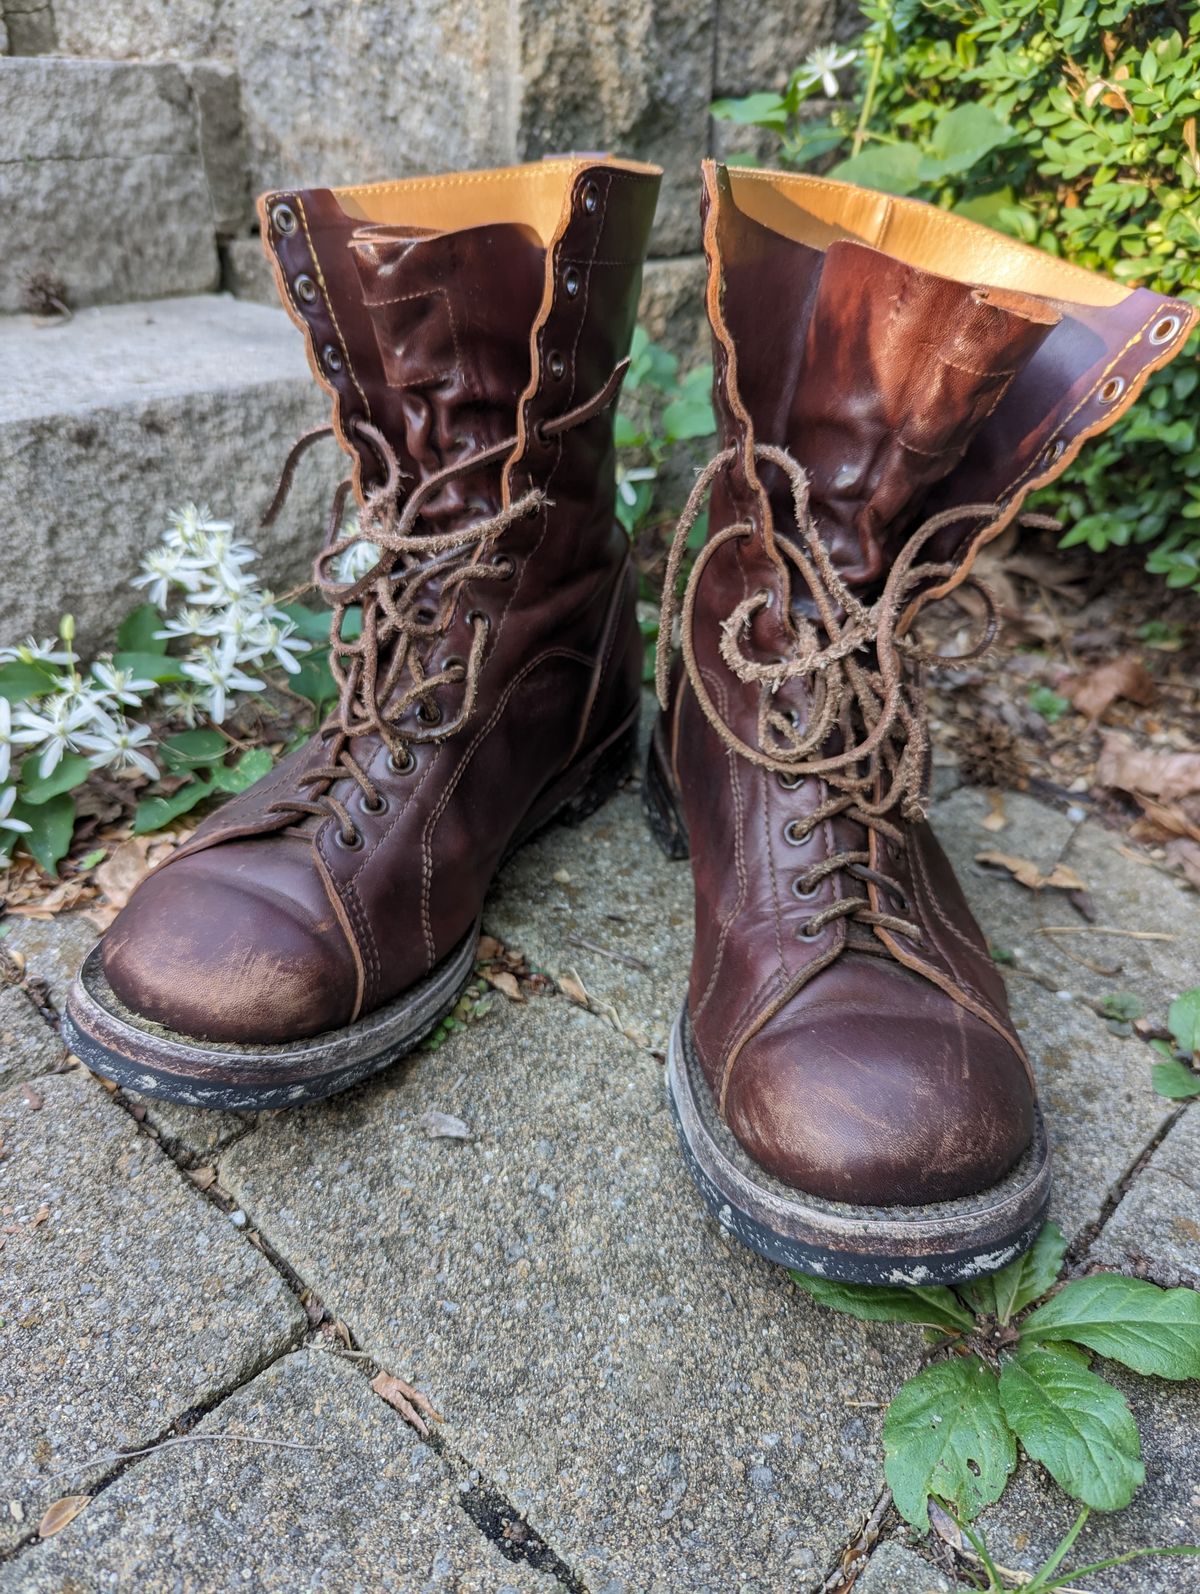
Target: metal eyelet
(802,895)
(805,932)
(789,782)
(426,615)
(332,356)
(1165,329)
(796,834)
(1112,390)
(305,288)
(351,843)
(454,661)
(283,219)
(379,806)
(478,614)
(572,281)
(430,713)
(591,198)
(505,566)
(1054,451)
(406,767)
(556,365)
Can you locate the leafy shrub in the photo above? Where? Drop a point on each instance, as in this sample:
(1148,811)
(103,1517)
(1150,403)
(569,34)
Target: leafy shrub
(1071,124)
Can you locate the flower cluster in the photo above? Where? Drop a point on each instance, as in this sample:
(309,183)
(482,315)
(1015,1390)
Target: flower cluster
(223,627)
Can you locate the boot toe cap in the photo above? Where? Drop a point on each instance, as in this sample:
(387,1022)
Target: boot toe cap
(236,944)
(908,1100)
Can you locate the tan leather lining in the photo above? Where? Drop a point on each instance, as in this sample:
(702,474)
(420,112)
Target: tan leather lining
(532,194)
(817,211)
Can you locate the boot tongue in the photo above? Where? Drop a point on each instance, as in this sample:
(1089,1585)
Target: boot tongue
(898,371)
(451,314)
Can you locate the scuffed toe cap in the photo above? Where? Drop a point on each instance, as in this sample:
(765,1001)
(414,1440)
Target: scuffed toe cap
(235,944)
(893,1098)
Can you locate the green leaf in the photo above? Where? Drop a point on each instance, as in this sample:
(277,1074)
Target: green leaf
(150,666)
(1183,1020)
(986,208)
(961,138)
(1123,1006)
(51,825)
(945,1435)
(1133,1322)
(71,770)
(191,749)
(1076,1425)
(135,634)
(314,679)
(752,110)
(153,813)
(1011,1290)
(892,168)
(1174,1080)
(879,1303)
(19,680)
(311,624)
(1042,700)
(685,418)
(250,767)
(91,859)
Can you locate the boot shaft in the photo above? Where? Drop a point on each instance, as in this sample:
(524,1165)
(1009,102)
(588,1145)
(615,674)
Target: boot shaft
(910,360)
(455,312)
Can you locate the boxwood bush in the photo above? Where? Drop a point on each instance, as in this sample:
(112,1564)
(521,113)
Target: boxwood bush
(1071,124)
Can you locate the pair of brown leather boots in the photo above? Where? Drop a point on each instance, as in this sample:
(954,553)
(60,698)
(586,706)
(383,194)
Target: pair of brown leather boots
(891,381)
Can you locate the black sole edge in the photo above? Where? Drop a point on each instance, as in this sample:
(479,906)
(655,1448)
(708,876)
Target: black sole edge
(662,811)
(846,1263)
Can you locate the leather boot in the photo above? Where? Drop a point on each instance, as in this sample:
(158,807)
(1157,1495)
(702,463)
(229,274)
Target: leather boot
(891,381)
(471,331)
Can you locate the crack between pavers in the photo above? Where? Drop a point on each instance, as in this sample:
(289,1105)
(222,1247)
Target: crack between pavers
(851,1560)
(179,1427)
(1082,1243)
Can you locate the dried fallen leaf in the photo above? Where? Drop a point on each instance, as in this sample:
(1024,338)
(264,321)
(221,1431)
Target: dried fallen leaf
(505,983)
(1186,853)
(995,818)
(1125,676)
(489,948)
(443,1126)
(1027,873)
(62,1513)
(202,1178)
(119,875)
(409,1402)
(573,987)
(1168,776)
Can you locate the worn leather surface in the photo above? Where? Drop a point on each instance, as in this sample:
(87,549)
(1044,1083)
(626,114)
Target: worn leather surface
(265,929)
(862,1064)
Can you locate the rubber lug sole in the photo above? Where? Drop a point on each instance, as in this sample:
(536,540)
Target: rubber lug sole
(139,1055)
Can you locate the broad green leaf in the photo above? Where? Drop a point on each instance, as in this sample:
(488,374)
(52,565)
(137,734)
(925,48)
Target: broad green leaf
(1183,1020)
(314,680)
(1134,1322)
(71,770)
(890,167)
(51,825)
(753,110)
(960,139)
(881,1303)
(153,813)
(311,624)
(1011,1290)
(135,634)
(189,749)
(150,666)
(1076,1425)
(19,680)
(250,767)
(986,208)
(686,418)
(945,1435)
(1175,1080)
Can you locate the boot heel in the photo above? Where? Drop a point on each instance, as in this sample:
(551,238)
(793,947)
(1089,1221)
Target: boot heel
(613,766)
(660,803)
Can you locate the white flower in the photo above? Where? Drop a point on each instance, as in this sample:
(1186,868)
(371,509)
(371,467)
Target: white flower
(278,638)
(115,742)
(163,568)
(354,562)
(187,623)
(54,730)
(190,527)
(7,740)
(822,65)
(216,669)
(186,703)
(7,798)
(626,480)
(119,686)
(33,652)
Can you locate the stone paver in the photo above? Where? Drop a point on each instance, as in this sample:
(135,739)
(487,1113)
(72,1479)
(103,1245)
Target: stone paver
(659,1401)
(125,1297)
(29,1046)
(1156,1228)
(1034,1513)
(893,1569)
(363,1505)
(127,411)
